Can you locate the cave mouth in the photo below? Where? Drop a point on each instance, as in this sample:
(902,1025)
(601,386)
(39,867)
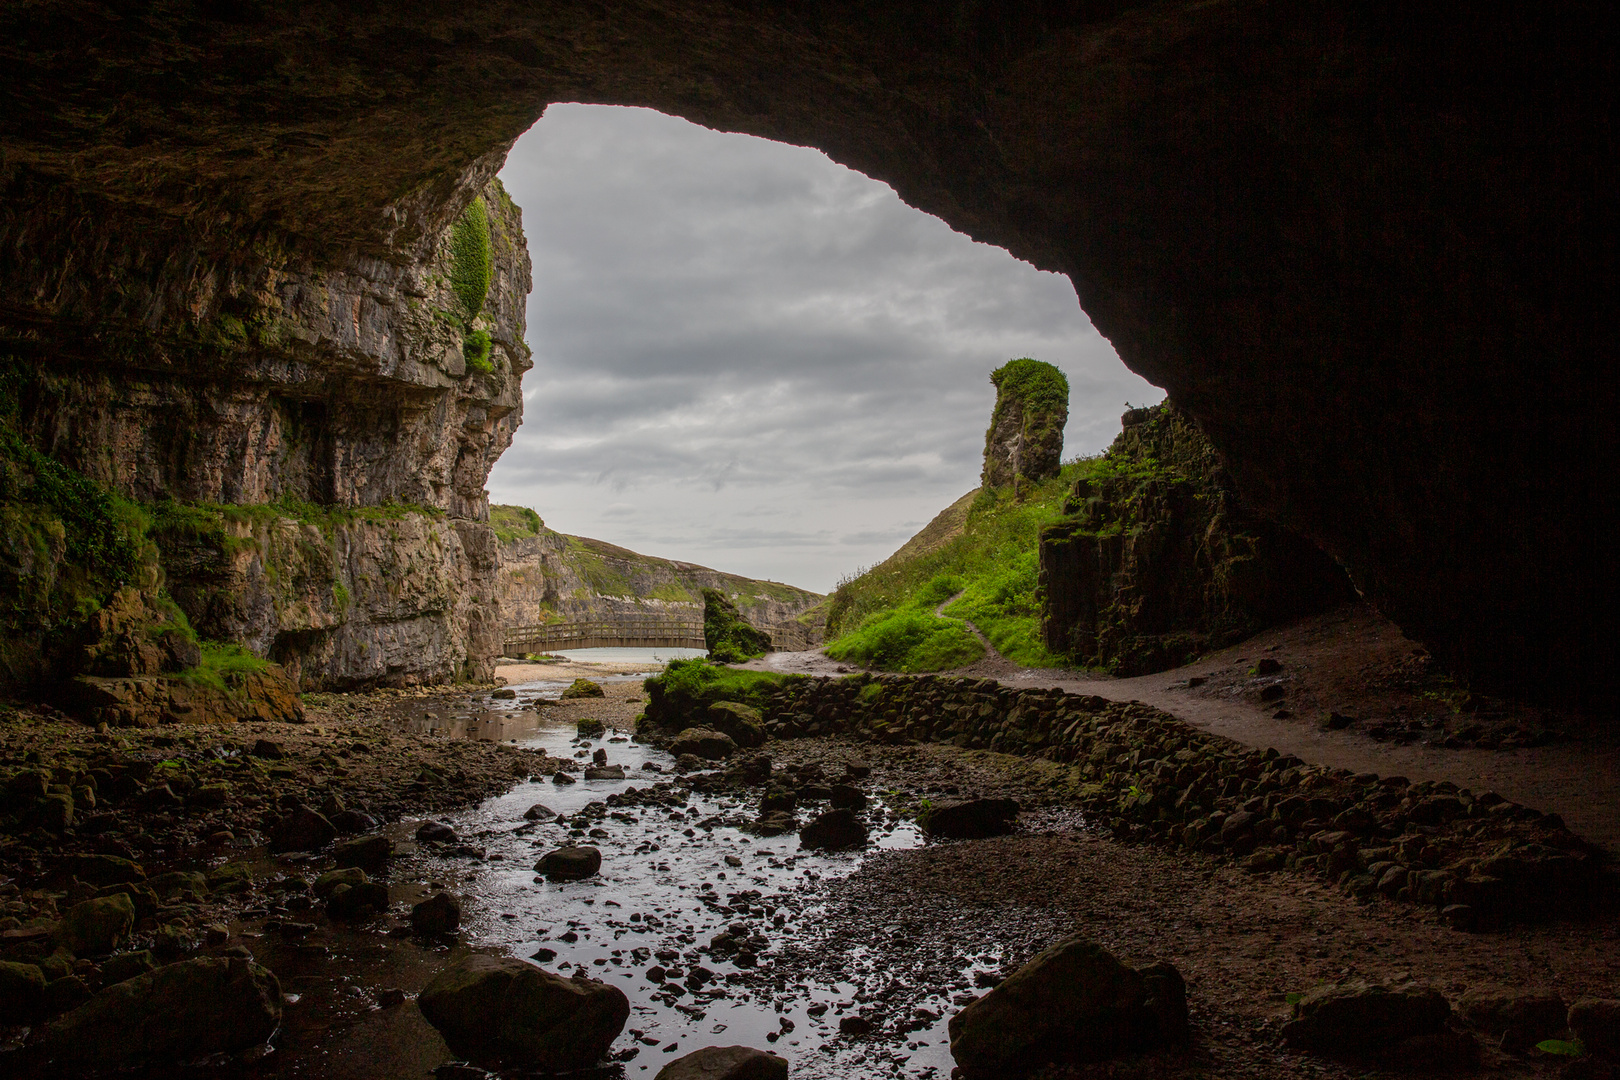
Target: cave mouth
(1367,249)
(751,357)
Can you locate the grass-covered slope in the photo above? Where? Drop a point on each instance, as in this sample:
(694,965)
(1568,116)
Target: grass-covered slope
(985,547)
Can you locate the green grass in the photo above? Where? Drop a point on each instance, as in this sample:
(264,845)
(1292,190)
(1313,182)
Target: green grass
(514,522)
(686,687)
(475,349)
(994,563)
(909,640)
(220,662)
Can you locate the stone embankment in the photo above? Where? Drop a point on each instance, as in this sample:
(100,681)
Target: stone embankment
(1482,860)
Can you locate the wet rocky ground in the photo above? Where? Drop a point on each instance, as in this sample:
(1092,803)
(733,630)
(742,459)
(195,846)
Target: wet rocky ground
(847,963)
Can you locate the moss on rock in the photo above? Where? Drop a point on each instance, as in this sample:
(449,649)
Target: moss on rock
(1025,440)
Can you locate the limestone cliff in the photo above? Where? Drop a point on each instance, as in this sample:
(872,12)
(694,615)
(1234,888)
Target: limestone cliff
(548,577)
(308,442)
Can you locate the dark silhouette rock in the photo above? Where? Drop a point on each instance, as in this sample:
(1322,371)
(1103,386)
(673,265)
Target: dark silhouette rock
(357,902)
(1515,1020)
(835,829)
(22,991)
(96,927)
(1596,1022)
(703,743)
(725,1063)
(1073,1002)
(539,812)
(973,819)
(301,829)
(176,1013)
(367,852)
(438,914)
(496,1010)
(1360,1019)
(570,863)
(435,832)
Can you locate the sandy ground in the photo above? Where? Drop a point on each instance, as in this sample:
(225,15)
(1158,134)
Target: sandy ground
(1351,661)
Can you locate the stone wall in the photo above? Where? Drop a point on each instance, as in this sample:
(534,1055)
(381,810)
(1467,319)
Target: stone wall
(1481,860)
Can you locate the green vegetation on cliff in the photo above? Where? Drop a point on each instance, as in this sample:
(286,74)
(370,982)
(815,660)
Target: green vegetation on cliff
(472,255)
(726,634)
(886,613)
(514,522)
(1025,439)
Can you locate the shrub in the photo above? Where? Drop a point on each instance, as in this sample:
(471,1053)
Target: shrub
(472,258)
(909,640)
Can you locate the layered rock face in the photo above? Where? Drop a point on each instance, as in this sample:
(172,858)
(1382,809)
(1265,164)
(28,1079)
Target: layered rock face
(1158,561)
(1367,248)
(1025,440)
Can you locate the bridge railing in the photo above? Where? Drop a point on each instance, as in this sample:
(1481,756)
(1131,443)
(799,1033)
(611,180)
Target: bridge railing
(645,631)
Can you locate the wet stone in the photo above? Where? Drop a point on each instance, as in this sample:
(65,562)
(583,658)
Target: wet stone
(301,829)
(438,914)
(367,852)
(570,863)
(725,1063)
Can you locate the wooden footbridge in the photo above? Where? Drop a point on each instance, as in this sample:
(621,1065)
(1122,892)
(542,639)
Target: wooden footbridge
(635,631)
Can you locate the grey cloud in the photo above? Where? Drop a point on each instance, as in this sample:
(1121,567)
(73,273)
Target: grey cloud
(730,332)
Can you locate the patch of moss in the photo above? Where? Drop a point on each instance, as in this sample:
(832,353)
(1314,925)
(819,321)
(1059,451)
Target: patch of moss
(475,349)
(220,662)
(471,258)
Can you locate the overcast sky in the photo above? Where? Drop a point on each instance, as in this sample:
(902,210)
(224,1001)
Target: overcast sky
(750,357)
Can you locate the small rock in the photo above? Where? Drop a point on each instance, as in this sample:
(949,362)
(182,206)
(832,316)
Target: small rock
(438,914)
(301,829)
(848,797)
(836,829)
(68,992)
(501,1010)
(54,812)
(95,927)
(605,772)
(327,882)
(703,743)
(1516,1020)
(264,748)
(367,852)
(570,863)
(102,869)
(126,966)
(725,1063)
(390,997)
(1358,1019)
(539,812)
(970,820)
(352,903)
(582,688)
(504,694)
(562,778)
(854,1025)
(350,822)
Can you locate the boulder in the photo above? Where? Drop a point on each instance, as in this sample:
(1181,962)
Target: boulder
(742,722)
(1596,1022)
(836,829)
(22,992)
(1073,1002)
(847,795)
(329,881)
(301,829)
(353,903)
(438,914)
(725,1063)
(539,812)
(102,869)
(54,812)
(973,819)
(704,743)
(1515,1020)
(126,966)
(570,863)
(499,1011)
(95,927)
(367,852)
(350,822)
(435,832)
(605,772)
(582,688)
(180,1012)
(589,727)
(1360,1019)
(268,750)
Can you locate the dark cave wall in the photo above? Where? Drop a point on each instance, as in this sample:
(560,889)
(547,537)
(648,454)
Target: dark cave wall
(1368,247)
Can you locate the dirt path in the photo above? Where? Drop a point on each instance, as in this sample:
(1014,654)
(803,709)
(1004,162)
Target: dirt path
(1352,662)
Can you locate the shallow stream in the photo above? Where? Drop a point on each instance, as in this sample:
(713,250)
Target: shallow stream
(675,874)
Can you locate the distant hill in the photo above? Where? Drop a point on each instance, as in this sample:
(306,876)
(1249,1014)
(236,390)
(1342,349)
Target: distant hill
(549,577)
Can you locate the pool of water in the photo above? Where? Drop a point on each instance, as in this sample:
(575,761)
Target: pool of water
(653,657)
(676,872)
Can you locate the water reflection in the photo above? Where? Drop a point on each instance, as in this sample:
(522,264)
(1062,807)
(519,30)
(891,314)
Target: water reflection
(678,872)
